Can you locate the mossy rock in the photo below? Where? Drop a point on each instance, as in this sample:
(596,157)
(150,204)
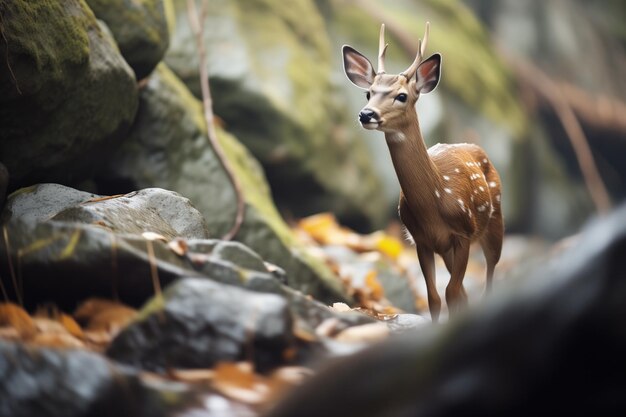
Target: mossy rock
(168,148)
(270,72)
(67,97)
(140,29)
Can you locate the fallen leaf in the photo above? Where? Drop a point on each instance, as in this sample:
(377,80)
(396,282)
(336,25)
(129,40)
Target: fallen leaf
(376,290)
(178,246)
(98,314)
(14,316)
(57,340)
(239,382)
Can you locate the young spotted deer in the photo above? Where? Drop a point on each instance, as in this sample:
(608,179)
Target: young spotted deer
(450,193)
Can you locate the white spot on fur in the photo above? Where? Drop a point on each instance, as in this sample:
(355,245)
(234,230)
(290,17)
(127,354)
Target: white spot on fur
(462,204)
(485,161)
(447,190)
(482,208)
(472,198)
(498,198)
(469,213)
(493,184)
(458,171)
(446,178)
(481,188)
(437,194)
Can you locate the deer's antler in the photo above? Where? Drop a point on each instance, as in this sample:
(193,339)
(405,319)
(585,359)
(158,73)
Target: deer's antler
(421,49)
(382,48)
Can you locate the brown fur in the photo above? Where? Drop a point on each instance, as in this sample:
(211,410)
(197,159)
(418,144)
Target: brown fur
(450,193)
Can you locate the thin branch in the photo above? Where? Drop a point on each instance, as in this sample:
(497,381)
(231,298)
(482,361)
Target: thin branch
(550,91)
(16,287)
(197,26)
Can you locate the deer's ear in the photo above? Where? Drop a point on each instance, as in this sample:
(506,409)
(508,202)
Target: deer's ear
(358,69)
(427,74)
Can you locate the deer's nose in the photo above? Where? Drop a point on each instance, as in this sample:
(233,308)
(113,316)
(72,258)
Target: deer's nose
(366,115)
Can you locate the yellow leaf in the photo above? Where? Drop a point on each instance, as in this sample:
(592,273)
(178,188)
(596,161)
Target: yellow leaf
(377,291)
(389,246)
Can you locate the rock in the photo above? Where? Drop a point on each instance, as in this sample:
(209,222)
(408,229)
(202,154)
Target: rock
(199,323)
(168,148)
(149,210)
(67,97)
(139,28)
(71,246)
(275,94)
(69,383)
(549,344)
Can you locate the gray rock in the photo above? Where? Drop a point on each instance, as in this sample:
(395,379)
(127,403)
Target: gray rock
(69,383)
(199,323)
(149,210)
(270,73)
(69,245)
(550,344)
(139,28)
(67,97)
(168,148)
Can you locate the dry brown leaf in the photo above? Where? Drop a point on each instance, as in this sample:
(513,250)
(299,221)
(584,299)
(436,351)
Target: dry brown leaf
(239,382)
(14,316)
(57,340)
(376,291)
(178,246)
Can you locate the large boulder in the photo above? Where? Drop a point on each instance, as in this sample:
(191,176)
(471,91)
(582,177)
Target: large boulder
(69,383)
(270,73)
(200,322)
(551,343)
(139,28)
(67,97)
(70,244)
(168,148)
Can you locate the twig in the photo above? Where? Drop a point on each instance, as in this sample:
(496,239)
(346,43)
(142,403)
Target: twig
(197,26)
(18,293)
(549,90)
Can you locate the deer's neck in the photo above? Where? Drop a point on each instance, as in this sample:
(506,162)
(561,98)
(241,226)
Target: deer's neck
(418,176)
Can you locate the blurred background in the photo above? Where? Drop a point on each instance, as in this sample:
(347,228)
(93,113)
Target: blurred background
(509,68)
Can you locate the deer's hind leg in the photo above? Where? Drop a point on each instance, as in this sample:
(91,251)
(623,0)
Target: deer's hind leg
(491,243)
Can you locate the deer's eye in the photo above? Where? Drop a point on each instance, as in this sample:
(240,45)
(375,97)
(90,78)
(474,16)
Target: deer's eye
(401,97)
(367,95)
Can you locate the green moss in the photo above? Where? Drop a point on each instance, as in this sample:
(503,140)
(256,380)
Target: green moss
(139,27)
(52,33)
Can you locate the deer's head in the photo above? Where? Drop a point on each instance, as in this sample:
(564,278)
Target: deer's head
(391,98)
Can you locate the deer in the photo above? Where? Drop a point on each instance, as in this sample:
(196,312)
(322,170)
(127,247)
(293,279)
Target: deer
(450,193)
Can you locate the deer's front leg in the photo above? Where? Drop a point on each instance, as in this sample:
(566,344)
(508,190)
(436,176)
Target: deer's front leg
(456,298)
(427,264)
